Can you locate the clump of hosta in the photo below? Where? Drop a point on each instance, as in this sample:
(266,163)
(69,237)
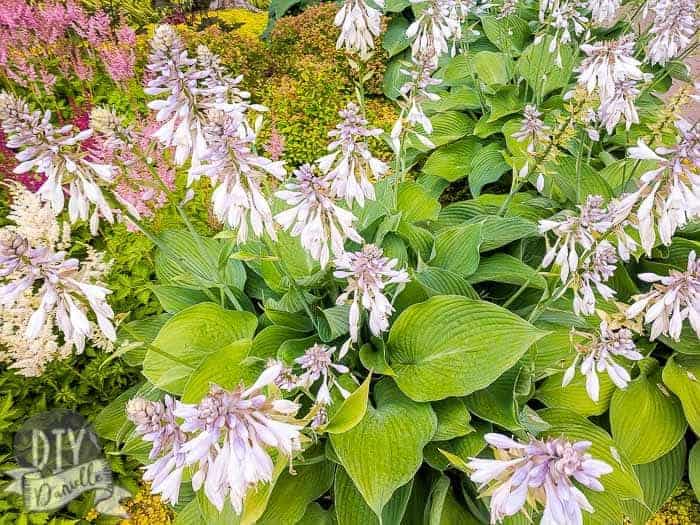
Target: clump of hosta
(541,472)
(57,154)
(225,440)
(368,272)
(602,352)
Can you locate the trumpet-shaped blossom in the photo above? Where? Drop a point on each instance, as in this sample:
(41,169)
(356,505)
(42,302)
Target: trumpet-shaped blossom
(672,299)
(321,224)
(350,166)
(594,271)
(359,23)
(57,154)
(538,472)
(600,354)
(673,29)
(533,130)
(237,174)
(368,272)
(437,23)
(620,104)
(603,12)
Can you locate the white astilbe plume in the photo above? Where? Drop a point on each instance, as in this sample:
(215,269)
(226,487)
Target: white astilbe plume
(359,23)
(673,29)
(599,354)
(603,12)
(414,94)
(68,290)
(436,25)
(668,196)
(56,153)
(321,224)
(229,435)
(368,272)
(237,173)
(350,166)
(539,472)
(671,300)
(155,422)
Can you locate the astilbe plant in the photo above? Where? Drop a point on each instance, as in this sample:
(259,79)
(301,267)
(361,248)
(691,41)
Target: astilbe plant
(328,274)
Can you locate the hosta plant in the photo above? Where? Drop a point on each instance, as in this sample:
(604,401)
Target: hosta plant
(498,324)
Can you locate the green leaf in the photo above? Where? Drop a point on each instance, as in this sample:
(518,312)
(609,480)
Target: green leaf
(269,339)
(188,337)
(493,69)
(332,322)
(415,203)
(351,411)
(393,77)
(505,102)
(443,507)
(457,451)
(499,231)
(539,67)
(175,298)
(646,420)
(504,268)
(384,451)
(694,468)
(578,180)
(394,39)
(451,162)
(351,509)
(451,346)
(487,166)
(453,419)
(574,396)
(460,98)
(682,376)
(450,126)
(317,515)
(508,34)
(373,358)
(293,492)
(496,403)
(437,281)
(457,249)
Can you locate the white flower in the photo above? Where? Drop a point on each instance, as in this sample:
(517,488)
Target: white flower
(56,153)
(322,225)
(350,166)
(598,355)
(359,25)
(437,23)
(603,12)
(229,435)
(368,272)
(671,300)
(565,19)
(538,472)
(669,196)
(620,104)
(237,174)
(608,63)
(533,130)
(673,29)
(594,271)
(317,363)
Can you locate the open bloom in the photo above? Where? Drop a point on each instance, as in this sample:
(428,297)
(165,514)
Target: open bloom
(237,174)
(671,300)
(368,272)
(359,25)
(229,435)
(621,104)
(321,224)
(533,130)
(669,195)
(594,271)
(538,472)
(603,11)
(56,153)
(438,22)
(350,165)
(599,354)
(673,29)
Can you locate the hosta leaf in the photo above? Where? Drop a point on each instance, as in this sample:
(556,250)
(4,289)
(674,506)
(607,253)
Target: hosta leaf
(505,102)
(574,396)
(443,507)
(682,376)
(394,78)
(459,98)
(499,231)
(394,40)
(450,126)
(487,166)
(577,180)
(622,482)
(415,203)
(509,33)
(694,468)
(457,249)
(453,419)
(351,509)
(384,451)
(437,281)
(493,69)
(351,411)
(188,337)
(317,515)
(457,451)
(175,298)
(504,268)
(269,339)
(452,346)
(451,162)
(646,420)
(539,67)
(496,403)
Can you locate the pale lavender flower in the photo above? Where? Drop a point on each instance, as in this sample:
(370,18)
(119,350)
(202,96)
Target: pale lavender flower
(359,25)
(603,12)
(533,130)
(350,166)
(669,195)
(599,354)
(64,290)
(321,224)
(538,472)
(368,272)
(237,173)
(318,363)
(594,271)
(620,104)
(56,153)
(671,300)
(437,23)
(568,21)
(673,29)
(508,8)
(231,433)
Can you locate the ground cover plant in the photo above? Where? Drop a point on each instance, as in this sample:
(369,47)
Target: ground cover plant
(397,262)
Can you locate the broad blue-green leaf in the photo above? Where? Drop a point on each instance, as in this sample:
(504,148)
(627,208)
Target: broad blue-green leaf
(384,451)
(452,346)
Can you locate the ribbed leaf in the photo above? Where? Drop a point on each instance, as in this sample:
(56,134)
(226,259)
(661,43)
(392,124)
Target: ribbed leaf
(682,376)
(451,162)
(487,166)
